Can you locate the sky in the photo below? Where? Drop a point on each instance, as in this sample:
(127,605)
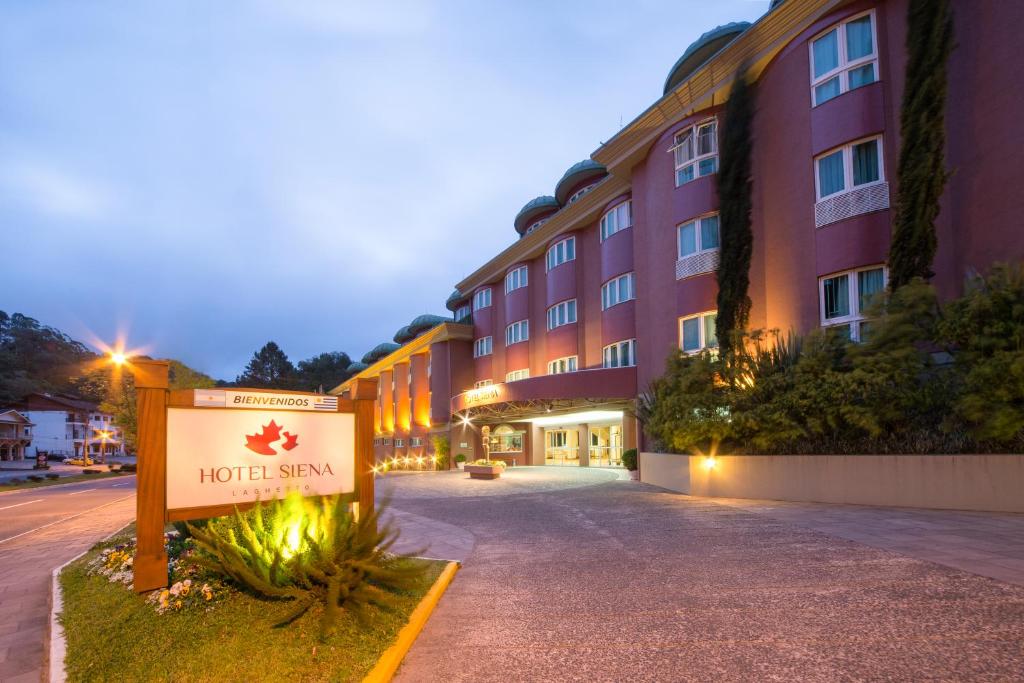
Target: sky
(203,177)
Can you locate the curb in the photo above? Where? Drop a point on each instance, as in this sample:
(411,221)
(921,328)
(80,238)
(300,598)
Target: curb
(57,646)
(392,658)
(47,487)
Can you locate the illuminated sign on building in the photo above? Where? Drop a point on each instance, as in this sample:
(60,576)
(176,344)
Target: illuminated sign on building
(490,392)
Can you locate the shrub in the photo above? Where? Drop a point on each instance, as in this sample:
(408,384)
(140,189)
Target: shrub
(90,471)
(34,477)
(129,467)
(484,462)
(53,475)
(629,459)
(312,552)
(442,450)
(460,458)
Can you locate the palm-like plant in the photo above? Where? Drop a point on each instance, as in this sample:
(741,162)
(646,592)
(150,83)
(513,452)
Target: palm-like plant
(311,551)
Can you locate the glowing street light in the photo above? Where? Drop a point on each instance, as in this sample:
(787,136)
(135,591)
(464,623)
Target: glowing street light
(118,358)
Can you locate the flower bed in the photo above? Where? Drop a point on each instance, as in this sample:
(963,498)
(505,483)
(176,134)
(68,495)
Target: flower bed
(201,627)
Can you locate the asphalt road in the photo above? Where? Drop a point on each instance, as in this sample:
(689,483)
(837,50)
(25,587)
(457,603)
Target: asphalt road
(25,512)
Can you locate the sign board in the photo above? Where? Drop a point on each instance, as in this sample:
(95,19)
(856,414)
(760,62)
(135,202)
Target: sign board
(218,457)
(263,400)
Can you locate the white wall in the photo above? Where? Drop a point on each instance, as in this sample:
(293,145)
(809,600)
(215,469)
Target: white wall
(50,432)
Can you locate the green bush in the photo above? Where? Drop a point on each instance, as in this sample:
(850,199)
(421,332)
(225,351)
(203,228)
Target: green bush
(442,450)
(460,458)
(629,459)
(53,475)
(34,477)
(309,551)
(927,378)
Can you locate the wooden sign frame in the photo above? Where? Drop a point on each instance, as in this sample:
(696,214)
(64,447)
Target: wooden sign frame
(152,515)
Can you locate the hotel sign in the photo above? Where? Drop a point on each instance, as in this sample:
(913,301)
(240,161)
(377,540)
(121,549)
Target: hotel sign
(263,400)
(491,392)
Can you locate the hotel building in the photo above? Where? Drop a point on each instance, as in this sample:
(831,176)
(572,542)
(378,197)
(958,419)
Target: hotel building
(552,340)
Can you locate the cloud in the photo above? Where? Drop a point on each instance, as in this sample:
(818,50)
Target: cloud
(44,188)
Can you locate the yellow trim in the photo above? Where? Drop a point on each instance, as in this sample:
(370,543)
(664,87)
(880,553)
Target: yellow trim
(392,658)
(421,344)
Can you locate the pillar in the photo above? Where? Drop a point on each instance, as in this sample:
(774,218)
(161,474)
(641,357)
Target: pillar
(583,447)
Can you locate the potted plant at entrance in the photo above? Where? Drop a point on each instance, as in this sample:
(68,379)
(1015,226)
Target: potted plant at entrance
(485,469)
(629,461)
(460,461)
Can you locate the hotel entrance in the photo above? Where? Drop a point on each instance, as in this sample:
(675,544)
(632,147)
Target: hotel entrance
(606,446)
(561,447)
(584,445)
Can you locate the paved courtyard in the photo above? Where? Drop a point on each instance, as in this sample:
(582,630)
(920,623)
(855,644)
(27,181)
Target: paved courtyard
(580,575)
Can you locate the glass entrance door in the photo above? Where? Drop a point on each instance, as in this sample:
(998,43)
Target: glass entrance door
(606,446)
(561,447)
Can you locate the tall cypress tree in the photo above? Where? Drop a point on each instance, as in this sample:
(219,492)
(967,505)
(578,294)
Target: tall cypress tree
(734,192)
(922,174)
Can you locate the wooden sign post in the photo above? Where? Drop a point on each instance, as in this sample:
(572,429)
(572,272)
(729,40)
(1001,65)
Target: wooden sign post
(207,452)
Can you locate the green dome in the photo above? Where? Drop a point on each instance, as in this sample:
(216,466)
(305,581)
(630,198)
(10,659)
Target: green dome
(379,351)
(702,50)
(533,208)
(588,169)
(356,367)
(422,323)
(454,300)
(403,335)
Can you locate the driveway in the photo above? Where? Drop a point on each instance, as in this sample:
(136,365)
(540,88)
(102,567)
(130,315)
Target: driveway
(575,575)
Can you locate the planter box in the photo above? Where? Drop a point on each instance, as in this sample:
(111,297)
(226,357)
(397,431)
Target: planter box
(484,471)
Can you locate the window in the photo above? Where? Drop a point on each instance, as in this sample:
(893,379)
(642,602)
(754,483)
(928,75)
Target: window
(536,225)
(562,314)
(579,193)
(617,218)
(562,252)
(482,347)
(386,442)
(483,383)
(462,313)
(697,332)
(416,441)
(620,354)
(843,58)
(696,151)
(482,299)
(844,298)
(516,278)
(849,167)
(518,331)
(561,365)
(617,290)
(698,236)
(517,375)
(399,443)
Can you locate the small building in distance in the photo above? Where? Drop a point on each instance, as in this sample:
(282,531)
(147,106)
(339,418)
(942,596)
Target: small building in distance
(67,426)
(15,435)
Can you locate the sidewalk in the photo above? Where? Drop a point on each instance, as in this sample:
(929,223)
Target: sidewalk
(985,543)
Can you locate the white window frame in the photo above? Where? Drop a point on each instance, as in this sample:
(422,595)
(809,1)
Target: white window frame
(482,299)
(536,225)
(483,346)
(517,375)
(703,332)
(611,289)
(612,220)
(855,316)
(677,143)
(385,442)
(399,443)
(553,314)
(483,383)
(415,441)
(463,312)
(847,150)
(551,258)
(842,71)
(701,249)
(560,366)
(579,193)
(629,344)
(517,332)
(517,278)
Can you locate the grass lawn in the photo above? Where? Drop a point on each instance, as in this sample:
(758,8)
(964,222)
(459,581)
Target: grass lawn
(62,480)
(113,634)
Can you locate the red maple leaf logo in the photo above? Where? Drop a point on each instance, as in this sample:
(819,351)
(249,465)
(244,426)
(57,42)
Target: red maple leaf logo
(260,443)
(290,441)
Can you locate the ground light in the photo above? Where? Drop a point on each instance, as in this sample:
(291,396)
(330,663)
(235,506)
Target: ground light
(710,462)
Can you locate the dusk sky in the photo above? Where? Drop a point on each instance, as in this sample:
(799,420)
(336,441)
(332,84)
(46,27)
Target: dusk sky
(208,176)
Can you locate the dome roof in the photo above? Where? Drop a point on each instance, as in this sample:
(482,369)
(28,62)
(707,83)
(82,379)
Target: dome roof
(356,367)
(379,351)
(701,50)
(403,335)
(422,323)
(775,3)
(534,208)
(582,171)
(454,300)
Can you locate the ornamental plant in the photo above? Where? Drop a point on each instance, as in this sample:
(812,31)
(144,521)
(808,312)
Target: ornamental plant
(312,552)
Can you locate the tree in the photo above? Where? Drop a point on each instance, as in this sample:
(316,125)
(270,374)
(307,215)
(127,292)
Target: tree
(734,195)
(269,368)
(323,372)
(35,357)
(921,172)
